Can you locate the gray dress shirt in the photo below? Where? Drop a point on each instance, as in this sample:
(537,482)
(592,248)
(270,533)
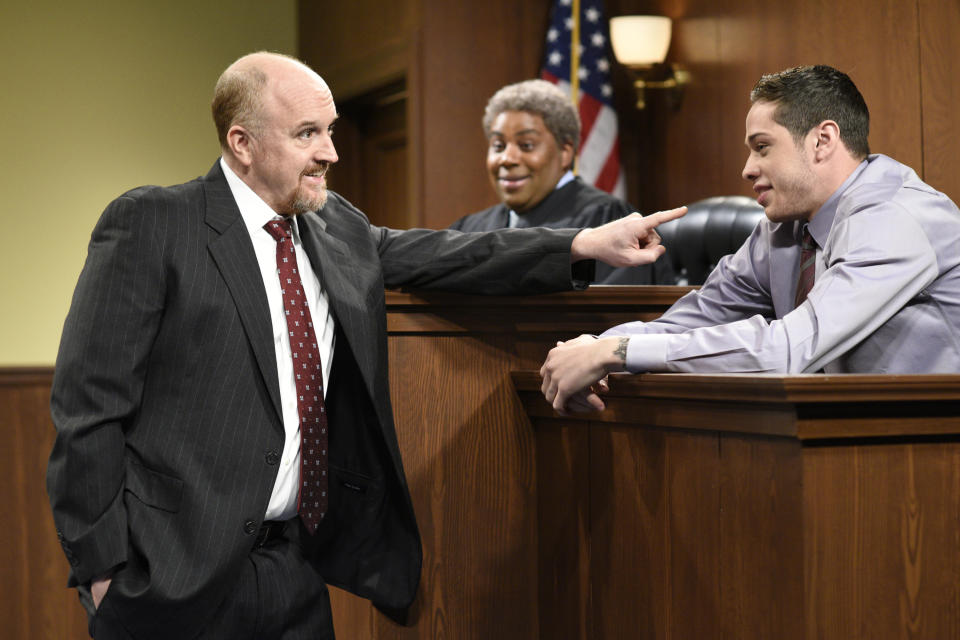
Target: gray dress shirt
(886,297)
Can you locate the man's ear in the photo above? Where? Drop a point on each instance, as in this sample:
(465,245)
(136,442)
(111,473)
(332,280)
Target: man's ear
(240,144)
(566,155)
(826,140)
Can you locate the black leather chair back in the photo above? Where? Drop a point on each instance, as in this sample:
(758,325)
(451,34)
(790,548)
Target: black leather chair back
(711,229)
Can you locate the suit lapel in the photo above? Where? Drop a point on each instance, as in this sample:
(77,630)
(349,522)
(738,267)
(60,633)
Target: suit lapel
(346,281)
(233,254)
(340,249)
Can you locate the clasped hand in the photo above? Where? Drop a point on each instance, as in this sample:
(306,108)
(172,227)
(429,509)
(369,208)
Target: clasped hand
(575,373)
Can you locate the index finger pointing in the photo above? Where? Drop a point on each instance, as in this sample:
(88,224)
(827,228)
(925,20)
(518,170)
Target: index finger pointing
(660,217)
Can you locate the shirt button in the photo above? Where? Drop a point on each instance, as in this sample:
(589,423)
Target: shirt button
(272,458)
(249,527)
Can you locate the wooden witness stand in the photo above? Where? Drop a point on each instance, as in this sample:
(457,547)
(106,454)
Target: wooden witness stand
(694,507)
(748,506)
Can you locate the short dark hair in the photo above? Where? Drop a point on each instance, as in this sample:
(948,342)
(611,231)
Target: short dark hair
(806,96)
(542,98)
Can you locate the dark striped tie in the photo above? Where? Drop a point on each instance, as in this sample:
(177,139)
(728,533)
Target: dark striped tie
(808,267)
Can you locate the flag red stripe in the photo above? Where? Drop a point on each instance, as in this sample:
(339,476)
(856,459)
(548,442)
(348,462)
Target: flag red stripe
(607,179)
(589,110)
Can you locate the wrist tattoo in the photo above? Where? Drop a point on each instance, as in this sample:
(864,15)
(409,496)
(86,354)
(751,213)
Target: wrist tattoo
(621,350)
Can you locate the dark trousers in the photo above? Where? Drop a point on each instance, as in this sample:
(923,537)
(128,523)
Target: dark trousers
(278,596)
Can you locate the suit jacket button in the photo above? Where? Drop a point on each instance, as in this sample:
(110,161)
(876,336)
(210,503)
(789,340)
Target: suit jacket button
(249,527)
(272,458)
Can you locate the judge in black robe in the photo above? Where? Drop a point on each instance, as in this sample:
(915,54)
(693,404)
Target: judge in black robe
(533,131)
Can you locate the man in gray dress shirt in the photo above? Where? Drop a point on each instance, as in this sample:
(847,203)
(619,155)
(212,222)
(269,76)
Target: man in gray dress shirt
(886,295)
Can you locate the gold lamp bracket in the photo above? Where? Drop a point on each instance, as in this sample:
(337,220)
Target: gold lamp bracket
(661,76)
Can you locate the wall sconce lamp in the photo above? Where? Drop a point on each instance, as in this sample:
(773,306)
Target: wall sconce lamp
(640,43)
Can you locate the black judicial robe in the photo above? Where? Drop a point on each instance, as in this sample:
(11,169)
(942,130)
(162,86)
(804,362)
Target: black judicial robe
(574,205)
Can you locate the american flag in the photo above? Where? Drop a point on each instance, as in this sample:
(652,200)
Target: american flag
(598,161)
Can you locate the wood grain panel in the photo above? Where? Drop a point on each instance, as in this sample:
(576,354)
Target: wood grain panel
(372,172)
(353,617)
(767,536)
(761,556)
(35,601)
(940,84)
(469,50)
(882,541)
(564,489)
(468,453)
(841,33)
(756,37)
(385,180)
(359,45)
(655,539)
(692,536)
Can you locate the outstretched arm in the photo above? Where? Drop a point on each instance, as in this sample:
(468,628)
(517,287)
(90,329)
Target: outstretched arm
(627,242)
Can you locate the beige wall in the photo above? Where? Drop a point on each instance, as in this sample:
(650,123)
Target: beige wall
(98,98)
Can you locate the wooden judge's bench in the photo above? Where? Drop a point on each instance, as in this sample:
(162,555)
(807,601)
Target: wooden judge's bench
(722,506)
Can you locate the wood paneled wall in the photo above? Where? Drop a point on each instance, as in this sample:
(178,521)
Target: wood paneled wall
(468,51)
(940,96)
(898,52)
(454,55)
(35,601)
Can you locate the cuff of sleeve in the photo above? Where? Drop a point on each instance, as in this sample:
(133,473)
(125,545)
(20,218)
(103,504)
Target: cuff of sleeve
(94,552)
(583,272)
(647,352)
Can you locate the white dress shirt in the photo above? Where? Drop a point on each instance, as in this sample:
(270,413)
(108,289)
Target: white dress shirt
(256,213)
(514,218)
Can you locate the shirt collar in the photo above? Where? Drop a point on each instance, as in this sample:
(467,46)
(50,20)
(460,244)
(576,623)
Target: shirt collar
(254,211)
(564,179)
(513,216)
(822,221)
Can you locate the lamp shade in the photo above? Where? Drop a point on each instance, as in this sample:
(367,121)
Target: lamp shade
(640,40)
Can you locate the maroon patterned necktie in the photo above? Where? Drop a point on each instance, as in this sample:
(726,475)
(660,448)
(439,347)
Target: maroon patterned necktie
(308,375)
(808,267)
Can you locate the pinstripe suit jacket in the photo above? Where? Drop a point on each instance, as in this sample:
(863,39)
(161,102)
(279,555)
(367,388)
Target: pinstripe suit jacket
(167,405)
